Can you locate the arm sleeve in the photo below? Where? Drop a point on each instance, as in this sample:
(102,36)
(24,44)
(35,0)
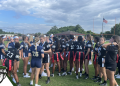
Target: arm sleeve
(2,46)
(53,46)
(42,51)
(30,49)
(9,46)
(17,55)
(89,45)
(67,45)
(31,43)
(21,46)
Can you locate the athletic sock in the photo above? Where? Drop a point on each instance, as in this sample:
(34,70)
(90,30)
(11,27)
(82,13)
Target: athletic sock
(76,73)
(105,81)
(87,75)
(17,83)
(48,78)
(99,79)
(80,71)
(98,75)
(95,76)
(40,75)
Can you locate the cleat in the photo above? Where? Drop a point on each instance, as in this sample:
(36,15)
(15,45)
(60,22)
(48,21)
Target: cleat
(77,77)
(52,75)
(80,74)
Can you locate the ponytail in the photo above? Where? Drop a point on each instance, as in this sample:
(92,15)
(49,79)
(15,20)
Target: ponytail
(89,38)
(36,43)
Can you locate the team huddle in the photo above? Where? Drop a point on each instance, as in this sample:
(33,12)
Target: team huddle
(44,50)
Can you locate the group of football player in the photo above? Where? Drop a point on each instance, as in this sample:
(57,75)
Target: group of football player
(45,50)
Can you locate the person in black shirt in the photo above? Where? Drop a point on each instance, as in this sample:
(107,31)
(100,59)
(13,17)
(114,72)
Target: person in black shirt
(65,56)
(96,40)
(79,55)
(46,59)
(56,55)
(62,51)
(71,53)
(88,47)
(112,49)
(10,61)
(101,58)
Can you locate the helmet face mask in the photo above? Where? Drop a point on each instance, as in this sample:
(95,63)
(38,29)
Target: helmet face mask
(2,74)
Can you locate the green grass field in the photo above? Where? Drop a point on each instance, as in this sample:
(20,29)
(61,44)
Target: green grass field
(69,80)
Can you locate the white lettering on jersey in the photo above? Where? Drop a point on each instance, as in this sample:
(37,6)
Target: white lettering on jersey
(17,56)
(72,46)
(89,45)
(9,54)
(53,46)
(48,46)
(79,47)
(35,54)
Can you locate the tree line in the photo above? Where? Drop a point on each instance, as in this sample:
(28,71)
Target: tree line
(79,29)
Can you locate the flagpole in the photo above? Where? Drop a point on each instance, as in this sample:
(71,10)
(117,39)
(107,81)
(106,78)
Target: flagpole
(115,26)
(102,28)
(93,25)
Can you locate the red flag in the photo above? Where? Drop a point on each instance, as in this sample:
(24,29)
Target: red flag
(105,20)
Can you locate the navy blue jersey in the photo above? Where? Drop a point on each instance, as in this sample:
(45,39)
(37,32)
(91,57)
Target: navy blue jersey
(11,45)
(101,52)
(12,54)
(79,46)
(25,48)
(31,43)
(2,46)
(36,53)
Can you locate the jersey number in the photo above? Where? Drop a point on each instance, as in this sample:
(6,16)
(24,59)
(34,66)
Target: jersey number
(35,54)
(72,46)
(9,54)
(79,47)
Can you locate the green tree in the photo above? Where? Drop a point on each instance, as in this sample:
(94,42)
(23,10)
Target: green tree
(117,29)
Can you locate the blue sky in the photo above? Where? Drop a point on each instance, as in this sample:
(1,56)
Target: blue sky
(33,16)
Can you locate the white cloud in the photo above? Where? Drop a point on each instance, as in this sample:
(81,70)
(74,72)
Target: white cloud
(67,12)
(27,28)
